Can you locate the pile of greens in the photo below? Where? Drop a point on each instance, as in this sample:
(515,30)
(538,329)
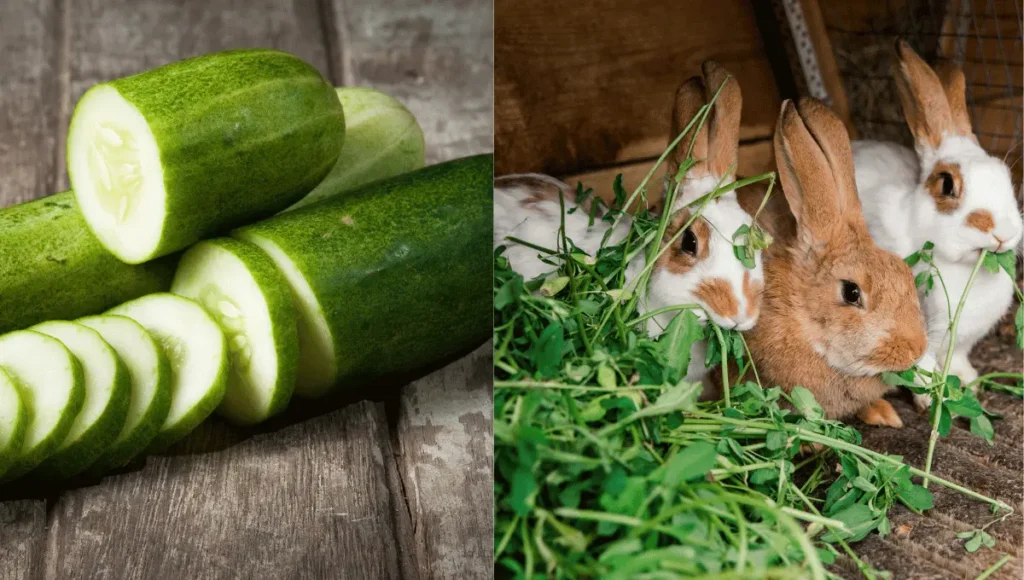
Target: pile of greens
(607,465)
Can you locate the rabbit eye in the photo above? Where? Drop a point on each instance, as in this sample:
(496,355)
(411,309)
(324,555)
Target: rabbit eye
(851,293)
(947,184)
(689,242)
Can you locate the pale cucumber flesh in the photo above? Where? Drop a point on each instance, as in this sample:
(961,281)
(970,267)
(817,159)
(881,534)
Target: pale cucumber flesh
(243,291)
(197,352)
(106,399)
(119,178)
(318,369)
(150,379)
(13,420)
(51,383)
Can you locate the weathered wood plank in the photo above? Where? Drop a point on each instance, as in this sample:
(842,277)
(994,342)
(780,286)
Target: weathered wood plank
(574,93)
(308,501)
(445,445)
(29,99)
(437,58)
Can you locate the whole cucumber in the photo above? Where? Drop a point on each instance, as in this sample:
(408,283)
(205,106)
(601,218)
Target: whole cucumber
(390,277)
(53,268)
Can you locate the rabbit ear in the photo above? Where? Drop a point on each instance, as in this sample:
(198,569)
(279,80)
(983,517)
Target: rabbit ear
(689,100)
(724,121)
(816,169)
(954,86)
(923,97)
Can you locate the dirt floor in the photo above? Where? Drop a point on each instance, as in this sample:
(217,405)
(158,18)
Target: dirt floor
(926,546)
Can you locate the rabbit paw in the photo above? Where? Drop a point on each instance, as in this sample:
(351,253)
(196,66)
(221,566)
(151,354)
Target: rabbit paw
(879,412)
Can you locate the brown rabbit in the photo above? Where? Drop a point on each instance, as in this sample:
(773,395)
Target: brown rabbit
(837,310)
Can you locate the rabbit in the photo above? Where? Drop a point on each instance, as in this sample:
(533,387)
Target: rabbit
(949,191)
(701,267)
(837,310)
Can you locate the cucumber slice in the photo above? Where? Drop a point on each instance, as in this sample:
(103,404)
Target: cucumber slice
(164,158)
(197,353)
(150,374)
(388,278)
(52,388)
(107,397)
(382,139)
(13,420)
(241,288)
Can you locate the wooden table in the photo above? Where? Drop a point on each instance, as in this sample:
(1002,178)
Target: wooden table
(394,486)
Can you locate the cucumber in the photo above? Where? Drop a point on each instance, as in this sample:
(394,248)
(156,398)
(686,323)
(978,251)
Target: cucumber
(166,157)
(150,388)
(106,402)
(13,420)
(382,139)
(390,277)
(197,353)
(240,287)
(52,389)
(53,268)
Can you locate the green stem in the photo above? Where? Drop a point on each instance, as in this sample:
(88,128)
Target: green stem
(933,437)
(991,569)
(662,310)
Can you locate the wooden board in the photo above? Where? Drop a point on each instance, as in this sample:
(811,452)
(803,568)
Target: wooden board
(358,487)
(577,93)
(754,158)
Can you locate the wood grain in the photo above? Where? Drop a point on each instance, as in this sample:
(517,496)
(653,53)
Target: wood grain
(29,68)
(437,58)
(754,158)
(576,93)
(325,490)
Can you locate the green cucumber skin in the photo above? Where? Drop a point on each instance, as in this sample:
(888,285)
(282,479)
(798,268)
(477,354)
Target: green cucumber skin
(53,268)
(382,139)
(242,135)
(26,463)
(121,453)
(10,452)
(275,290)
(77,457)
(400,267)
(170,434)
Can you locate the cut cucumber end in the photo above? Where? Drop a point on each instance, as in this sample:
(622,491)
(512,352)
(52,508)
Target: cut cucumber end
(51,383)
(13,420)
(105,405)
(197,352)
(115,171)
(150,388)
(241,288)
(318,367)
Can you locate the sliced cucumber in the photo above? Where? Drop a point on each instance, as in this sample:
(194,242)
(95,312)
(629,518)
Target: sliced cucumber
(52,388)
(150,374)
(390,277)
(242,289)
(161,159)
(197,353)
(107,395)
(13,420)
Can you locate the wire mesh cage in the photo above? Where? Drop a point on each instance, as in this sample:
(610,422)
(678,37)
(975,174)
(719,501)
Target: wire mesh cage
(983,36)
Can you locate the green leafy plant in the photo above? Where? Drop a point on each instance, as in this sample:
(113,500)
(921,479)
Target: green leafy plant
(607,464)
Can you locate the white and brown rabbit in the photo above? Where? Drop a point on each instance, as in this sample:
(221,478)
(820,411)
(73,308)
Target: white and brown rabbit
(837,309)
(948,191)
(701,267)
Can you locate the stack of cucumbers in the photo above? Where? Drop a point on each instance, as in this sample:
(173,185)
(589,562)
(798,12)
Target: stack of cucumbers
(205,260)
